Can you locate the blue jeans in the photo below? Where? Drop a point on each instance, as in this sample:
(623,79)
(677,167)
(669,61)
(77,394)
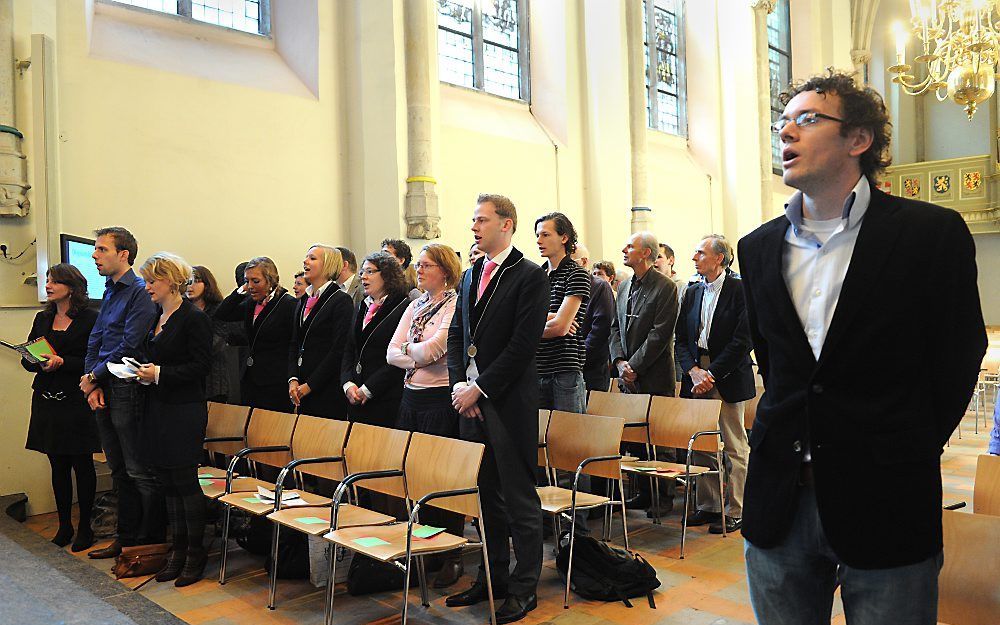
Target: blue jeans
(793,583)
(141,505)
(566,391)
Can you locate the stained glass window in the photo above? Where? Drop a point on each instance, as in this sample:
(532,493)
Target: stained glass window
(249,16)
(482,44)
(779,57)
(665,84)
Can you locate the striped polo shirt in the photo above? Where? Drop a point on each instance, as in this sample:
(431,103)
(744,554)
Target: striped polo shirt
(565,353)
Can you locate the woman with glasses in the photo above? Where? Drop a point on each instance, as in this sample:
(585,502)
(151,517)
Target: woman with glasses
(372,386)
(204,293)
(420,347)
(62,425)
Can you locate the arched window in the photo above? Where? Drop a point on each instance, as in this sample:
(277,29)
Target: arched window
(779,57)
(483,45)
(249,16)
(666,98)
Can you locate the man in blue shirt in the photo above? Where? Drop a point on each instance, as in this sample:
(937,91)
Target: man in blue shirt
(126,316)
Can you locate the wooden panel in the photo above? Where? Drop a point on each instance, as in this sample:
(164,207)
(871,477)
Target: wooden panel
(573,437)
(673,420)
(968,592)
(226,420)
(435,463)
(373,448)
(986,497)
(634,408)
(268,428)
(315,437)
(348,516)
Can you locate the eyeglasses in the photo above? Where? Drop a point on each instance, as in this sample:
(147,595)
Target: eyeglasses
(370,272)
(419,266)
(802,120)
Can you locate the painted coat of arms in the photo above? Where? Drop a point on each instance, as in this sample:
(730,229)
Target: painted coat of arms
(911,187)
(973,180)
(942,184)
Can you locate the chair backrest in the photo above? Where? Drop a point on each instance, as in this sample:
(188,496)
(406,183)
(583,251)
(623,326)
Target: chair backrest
(226,420)
(986,494)
(374,448)
(316,437)
(543,428)
(573,437)
(436,463)
(674,420)
(968,592)
(634,408)
(267,428)
(750,409)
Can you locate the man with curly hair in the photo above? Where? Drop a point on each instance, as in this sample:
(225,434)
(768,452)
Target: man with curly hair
(844,478)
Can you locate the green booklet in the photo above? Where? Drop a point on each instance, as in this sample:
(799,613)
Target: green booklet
(34,352)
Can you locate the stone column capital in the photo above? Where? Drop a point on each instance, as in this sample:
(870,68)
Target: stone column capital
(861,56)
(764,6)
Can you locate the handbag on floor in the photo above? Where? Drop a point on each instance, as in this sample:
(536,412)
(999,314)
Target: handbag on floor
(141,560)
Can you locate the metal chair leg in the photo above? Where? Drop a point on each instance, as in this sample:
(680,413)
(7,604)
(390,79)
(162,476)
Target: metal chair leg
(486,561)
(328,607)
(225,543)
(273,577)
(572,539)
(422,577)
(722,486)
(624,520)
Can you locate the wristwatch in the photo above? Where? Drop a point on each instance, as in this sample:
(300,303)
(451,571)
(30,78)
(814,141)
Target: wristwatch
(404,348)
(92,378)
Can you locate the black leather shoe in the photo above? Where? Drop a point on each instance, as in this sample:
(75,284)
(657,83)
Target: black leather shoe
(450,572)
(175,562)
(194,567)
(84,540)
(475,594)
(703,517)
(733,524)
(516,608)
(639,502)
(111,551)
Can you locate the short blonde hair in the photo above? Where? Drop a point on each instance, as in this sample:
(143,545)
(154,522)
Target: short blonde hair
(333,262)
(169,267)
(448,260)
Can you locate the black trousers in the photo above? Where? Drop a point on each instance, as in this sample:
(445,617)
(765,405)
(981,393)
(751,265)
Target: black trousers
(511,508)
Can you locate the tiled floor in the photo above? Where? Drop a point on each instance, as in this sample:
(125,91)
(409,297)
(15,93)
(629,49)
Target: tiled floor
(708,587)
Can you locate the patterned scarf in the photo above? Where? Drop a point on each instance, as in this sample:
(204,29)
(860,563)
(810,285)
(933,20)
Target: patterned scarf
(423,312)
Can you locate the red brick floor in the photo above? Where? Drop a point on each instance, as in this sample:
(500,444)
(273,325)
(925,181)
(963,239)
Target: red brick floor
(708,587)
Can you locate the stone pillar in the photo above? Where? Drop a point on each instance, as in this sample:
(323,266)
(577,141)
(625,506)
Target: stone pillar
(860,58)
(420,206)
(642,214)
(13,166)
(761,9)
(863,14)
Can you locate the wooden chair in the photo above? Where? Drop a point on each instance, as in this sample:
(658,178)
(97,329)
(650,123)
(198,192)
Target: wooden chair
(543,428)
(986,493)
(262,429)
(582,444)
(750,410)
(269,440)
(319,449)
(441,470)
(225,435)
(968,592)
(683,423)
(633,408)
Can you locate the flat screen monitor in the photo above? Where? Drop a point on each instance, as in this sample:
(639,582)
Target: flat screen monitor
(78,252)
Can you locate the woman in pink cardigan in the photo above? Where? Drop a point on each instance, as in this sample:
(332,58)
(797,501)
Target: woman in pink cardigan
(419,347)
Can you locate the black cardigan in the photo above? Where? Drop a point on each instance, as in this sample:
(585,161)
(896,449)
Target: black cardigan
(183,351)
(268,337)
(367,347)
(70,345)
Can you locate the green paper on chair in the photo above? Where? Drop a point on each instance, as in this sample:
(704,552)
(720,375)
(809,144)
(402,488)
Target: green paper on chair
(427,531)
(252,500)
(370,541)
(205,475)
(644,469)
(310,520)
(204,482)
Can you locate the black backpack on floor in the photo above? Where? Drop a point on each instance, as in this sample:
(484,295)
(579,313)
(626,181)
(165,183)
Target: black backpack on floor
(604,573)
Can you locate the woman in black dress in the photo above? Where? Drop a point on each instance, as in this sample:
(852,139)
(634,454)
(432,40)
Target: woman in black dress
(372,386)
(266,310)
(172,430)
(204,293)
(62,425)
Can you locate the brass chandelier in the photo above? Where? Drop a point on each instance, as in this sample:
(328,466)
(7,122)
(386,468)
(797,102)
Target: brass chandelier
(961,43)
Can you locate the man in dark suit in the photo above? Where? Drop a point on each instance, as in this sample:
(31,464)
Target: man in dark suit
(713,349)
(844,479)
(596,328)
(499,317)
(348,279)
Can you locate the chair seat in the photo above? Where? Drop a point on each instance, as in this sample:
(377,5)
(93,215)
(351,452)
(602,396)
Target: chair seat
(348,516)
(556,499)
(217,486)
(239,500)
(212,472)
(662,469)
(395,536)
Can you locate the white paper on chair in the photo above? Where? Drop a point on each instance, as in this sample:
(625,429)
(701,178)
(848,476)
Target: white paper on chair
(287,498)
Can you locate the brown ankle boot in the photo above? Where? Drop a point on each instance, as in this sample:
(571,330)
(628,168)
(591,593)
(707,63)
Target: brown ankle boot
(194,567)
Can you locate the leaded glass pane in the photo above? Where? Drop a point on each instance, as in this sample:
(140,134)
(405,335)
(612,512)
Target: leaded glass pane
(462,42)
(164,6)
(501,71)
(779,61)
(500,22)
(665,113)
(455,64)
(456,15)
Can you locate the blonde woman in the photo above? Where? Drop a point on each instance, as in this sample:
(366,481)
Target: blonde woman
(179,355)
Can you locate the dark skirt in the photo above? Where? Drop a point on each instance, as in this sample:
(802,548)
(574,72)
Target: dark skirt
(173,435)
(62,427)
(267,397)
(428,410)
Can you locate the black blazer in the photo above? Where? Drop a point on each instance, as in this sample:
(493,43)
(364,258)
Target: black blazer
(728,341)
(876,419)
(268,337)
(71,345)
(368,348)
(319,343)
(183,350)
(506,327)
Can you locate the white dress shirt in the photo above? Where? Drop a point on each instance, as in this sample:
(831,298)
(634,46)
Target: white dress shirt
(817,255)
(709,300)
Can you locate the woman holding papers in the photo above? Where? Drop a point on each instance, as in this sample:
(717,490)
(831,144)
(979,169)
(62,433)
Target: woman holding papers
(419,347)
(62,425)
(172,431)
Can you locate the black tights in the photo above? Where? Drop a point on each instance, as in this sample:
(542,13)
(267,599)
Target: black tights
(63,466)
(185,506)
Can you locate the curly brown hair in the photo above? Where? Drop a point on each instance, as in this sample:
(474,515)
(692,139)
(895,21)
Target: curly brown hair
(65,273)
(861,107)
(392,273)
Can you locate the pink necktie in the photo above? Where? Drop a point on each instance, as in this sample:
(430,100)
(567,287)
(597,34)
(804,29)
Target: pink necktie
(372,309)
(310,302)
(484,281)
(259,308)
